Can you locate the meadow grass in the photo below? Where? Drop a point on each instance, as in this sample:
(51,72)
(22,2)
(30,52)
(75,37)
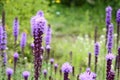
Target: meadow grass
(72,30)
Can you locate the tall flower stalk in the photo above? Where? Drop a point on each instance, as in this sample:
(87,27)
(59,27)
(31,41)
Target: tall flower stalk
(108,20)
(48,40)
(3,42)
(118,26)
(15,30)
(25,75)
(9,73)
(96,51)
(89,59)
(16,55)
(117,63)
(23,42)
(66,69)
(38,30)
(109,58)
(88,75)
(110,38)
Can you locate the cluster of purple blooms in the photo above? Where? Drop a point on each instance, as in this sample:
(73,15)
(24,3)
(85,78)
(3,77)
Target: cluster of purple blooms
(88,75)
(39,27)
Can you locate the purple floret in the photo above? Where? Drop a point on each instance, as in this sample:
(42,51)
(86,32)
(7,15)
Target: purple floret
(16,55)
(88,75)
(56,65)
(66,67)
(108,15)
(110,38)
(48,35)
(51,60)
(15,28)
(38,22)
(40,13)
(118,16)
(44,71)
(97,49)
(26,74)
(110,56)
(23,40)
(9,71)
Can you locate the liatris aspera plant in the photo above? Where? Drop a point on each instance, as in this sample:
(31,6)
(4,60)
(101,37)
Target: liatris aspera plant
(55,68)
(3,42)
(88,75)
(89,59)
(66,69)
(45,73)
(23,42)
(110,38)
(39,26)
(109,58)
(16,55)
(15,30)
(108,20)
(117,63)
(118,25)
(51,61)
(32,46)
(95,34)
(96,52)
(48,35)
(73,70)
(51,67)
(25,75)
(9,73)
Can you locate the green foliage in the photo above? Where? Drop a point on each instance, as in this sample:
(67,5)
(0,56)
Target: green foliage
(72,30)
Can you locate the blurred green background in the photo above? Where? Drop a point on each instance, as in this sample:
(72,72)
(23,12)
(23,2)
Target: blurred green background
(72,22)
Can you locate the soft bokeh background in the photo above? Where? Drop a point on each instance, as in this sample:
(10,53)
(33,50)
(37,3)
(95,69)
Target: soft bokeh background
(72,22)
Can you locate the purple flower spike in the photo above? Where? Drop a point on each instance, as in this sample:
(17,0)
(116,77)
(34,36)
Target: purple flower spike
(108,20)
(109,58)
(23,40)
(108,15)
(118,16)
(97,49)
(55,67)
(16,28)
(38,25)
(40,13)
(1,36)
(26,74)
(48,35)
(45,73)
(66,67)
(16,55)
(9,73)
(110,38)
(88,75)
(51,60)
